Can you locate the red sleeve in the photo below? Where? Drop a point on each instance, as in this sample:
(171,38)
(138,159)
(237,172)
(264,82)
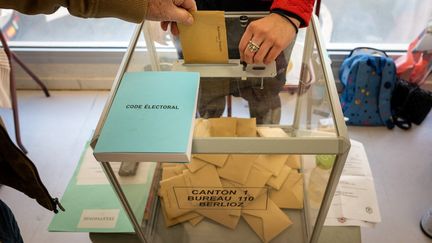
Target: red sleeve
(299,9)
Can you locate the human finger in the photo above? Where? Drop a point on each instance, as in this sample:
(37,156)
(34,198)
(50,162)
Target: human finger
(272,54)
(189,5)
(174,29)
(252,48)
(164,25)
(247,35)
(180,15)
(262,52)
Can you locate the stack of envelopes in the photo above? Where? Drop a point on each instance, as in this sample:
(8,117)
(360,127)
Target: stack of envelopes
(269,183)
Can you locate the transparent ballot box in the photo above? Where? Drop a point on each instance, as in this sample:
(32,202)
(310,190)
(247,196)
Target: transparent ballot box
(269,146)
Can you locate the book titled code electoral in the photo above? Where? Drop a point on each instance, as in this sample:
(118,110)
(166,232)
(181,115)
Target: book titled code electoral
(150,119)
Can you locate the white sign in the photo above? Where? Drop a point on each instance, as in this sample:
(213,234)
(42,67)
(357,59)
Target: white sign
(99,218)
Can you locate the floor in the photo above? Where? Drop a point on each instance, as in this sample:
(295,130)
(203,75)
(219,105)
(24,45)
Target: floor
(55,129)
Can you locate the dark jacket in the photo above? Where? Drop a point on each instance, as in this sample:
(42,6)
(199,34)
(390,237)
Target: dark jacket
(19,172)
(129,10)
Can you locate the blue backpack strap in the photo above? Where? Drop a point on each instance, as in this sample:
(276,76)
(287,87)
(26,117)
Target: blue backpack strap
(388,81)
(368,51)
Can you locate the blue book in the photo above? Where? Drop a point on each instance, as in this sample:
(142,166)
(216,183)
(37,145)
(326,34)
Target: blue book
(150,119)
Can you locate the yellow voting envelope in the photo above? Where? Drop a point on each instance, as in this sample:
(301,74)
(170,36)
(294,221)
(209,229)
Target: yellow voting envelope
(290,195)
(246,127)
(267,223)
(223,127)
(277,181)
(237,167)
(215,159)
(205,41)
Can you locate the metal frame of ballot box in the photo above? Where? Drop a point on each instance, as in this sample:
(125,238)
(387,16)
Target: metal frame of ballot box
(294,144)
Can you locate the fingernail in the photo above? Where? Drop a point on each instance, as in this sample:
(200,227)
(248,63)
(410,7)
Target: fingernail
(190,20)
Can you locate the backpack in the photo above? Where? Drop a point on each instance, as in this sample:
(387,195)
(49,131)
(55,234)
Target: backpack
(368,77)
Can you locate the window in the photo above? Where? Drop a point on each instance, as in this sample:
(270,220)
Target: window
(385,24)
(63,30)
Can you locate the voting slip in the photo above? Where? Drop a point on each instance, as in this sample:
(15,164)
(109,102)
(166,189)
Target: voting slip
(246,127)
(216,159)
(294,161)
(277,181)
(205,41)
(271,132)
(223,127)
(290,195)
(267,223)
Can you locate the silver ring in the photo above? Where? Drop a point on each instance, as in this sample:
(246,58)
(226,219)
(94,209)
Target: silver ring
(253,47)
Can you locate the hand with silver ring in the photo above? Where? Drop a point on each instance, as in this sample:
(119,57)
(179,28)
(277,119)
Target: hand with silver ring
(265,38)
(252,47)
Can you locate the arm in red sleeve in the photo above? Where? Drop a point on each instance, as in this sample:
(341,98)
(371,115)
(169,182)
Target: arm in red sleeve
(299,9)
